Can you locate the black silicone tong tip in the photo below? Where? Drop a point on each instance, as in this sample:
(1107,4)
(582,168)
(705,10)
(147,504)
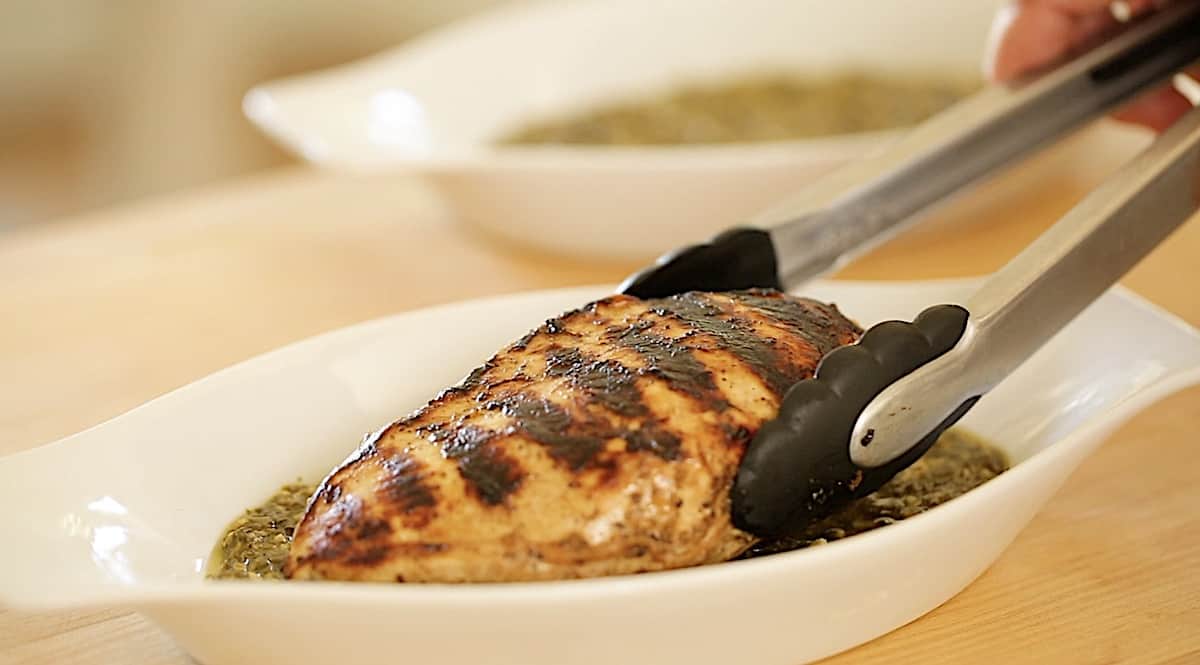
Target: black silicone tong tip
(797,469)
(740,258)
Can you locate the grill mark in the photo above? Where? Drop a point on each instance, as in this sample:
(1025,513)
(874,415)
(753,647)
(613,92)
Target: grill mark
(574,442)
(493,475)
(462,440)
(656,440)
(606,382)
(370,529)
(579,440)
(818,323)
(666,359)
(614,386)
(402,486)
(486,390)
(737,434)
(607,469)
(331,541)
(377,553)
(368,556)
(700,313)
(487,470)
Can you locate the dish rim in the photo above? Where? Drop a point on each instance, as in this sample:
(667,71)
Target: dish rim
(259,107)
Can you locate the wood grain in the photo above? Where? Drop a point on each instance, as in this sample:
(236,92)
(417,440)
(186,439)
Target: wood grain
(104,312)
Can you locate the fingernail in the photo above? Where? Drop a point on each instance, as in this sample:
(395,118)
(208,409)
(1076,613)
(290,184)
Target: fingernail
(1188,87)
(1004,18)
(1120,10)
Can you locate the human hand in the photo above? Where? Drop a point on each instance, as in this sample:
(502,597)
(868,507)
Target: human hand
(1031,35)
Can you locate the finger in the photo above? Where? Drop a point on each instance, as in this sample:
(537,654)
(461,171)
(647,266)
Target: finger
(1031,35)
(1026,37)
(1090,28)
(1159,108)
(1127,10)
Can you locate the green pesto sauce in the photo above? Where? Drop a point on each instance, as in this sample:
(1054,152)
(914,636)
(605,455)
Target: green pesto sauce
(957,463)
(768,107)
(256,544)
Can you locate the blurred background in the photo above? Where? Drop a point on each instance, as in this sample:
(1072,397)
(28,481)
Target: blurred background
(102,102)
(107,102)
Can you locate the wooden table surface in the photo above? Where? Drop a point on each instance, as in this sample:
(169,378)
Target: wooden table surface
(104,312)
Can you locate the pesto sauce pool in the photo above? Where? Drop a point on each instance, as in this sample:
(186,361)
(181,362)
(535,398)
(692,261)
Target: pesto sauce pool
(256,544)
(755,108)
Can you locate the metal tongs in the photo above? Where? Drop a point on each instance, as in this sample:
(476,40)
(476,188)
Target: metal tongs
(875,407)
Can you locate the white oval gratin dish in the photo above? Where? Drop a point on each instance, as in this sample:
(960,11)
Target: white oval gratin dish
(436,105)
(126,513)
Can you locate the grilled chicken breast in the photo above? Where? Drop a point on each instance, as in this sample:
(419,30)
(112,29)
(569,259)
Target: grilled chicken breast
(604,442)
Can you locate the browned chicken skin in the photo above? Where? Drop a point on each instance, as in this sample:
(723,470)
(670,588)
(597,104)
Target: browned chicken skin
(603,443)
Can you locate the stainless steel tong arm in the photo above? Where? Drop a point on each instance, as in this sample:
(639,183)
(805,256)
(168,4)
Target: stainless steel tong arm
(867,202)
(1031,298)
